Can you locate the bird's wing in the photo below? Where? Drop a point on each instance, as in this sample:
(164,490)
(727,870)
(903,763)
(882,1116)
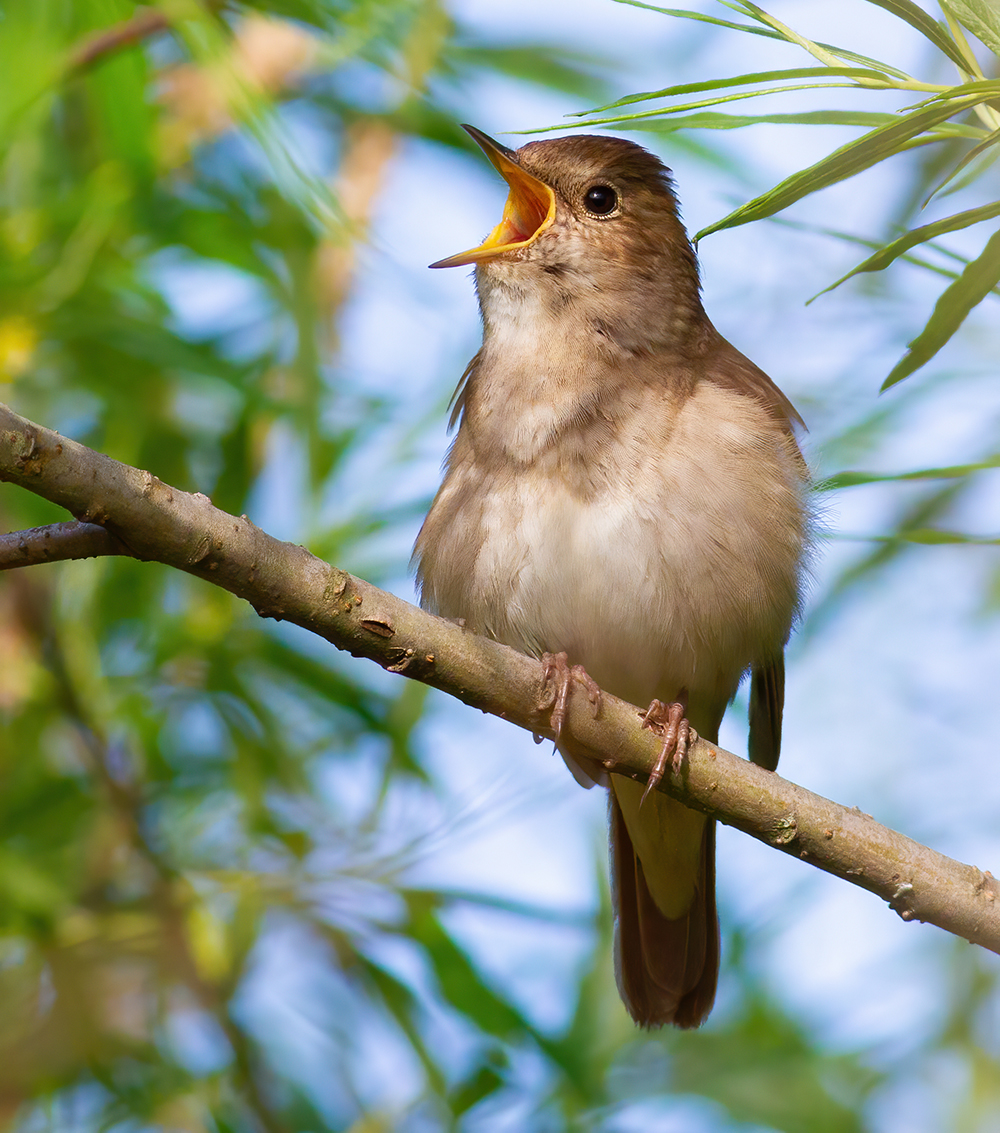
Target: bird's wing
(767,699)
(727,367)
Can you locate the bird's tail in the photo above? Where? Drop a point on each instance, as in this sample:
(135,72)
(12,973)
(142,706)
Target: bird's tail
(667,968)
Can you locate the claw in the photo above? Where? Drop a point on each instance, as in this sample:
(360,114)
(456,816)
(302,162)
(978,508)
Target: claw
(669,720)
(560,675)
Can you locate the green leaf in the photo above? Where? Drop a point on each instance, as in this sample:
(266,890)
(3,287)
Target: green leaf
(712,120)
(483,1083)
(737,81)
(404,1007)
(949,472)
(885,256)
(971,287)
(645,114)
(981,17)
(916,17)
(786,33)
(933,536)
(768,33)
(977,165)
(988,88)
(976,151)
(844,162)
(460,983)
(763,1069)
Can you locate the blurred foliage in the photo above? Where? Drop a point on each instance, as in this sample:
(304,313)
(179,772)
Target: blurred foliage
(171,851)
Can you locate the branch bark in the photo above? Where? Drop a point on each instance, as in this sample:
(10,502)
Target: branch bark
(55,542)
(152,521)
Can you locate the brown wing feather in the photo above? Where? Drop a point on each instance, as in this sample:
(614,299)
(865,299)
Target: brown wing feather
(767,701)
(727,367)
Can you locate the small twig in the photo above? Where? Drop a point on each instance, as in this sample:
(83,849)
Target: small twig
(114,38)
(57,542)
(92,48)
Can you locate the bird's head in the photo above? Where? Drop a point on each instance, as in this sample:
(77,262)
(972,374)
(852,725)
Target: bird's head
(590,219)
(602,197)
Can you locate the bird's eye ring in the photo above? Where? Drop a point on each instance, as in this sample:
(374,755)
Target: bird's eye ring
(600,200)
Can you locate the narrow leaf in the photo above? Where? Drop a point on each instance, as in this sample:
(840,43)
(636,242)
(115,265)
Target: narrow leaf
(736,96)
(932,536)
(768,33)
(971,287)
(845,162)
(989,140)
(949,472)
(851,238)
(712,120)
(787,33)
(987,88)
(738,81)
(916,17)
(885,256)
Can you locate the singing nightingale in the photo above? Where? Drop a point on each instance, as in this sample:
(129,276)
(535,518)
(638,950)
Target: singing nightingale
(625,490)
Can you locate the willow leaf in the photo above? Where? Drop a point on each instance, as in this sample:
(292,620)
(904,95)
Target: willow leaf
(976,151)
(972,286)
(738,81)
(949,472)
(712,120)
(885,256)
(767,33)
(845,162)
(816,50)
(916,17)
(985,88)
(933,536)
(617,119)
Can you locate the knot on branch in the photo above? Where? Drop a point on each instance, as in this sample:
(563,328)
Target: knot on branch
(901,901)
(784,831)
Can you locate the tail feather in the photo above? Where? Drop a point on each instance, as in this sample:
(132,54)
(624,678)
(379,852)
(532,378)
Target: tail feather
(667,969)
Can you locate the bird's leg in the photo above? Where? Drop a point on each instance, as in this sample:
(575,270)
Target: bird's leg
(669,721)
(557,679)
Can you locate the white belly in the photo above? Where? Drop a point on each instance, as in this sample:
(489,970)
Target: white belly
(677,574)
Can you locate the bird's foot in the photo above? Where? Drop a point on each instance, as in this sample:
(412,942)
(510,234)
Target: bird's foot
(557,679)
(669,721)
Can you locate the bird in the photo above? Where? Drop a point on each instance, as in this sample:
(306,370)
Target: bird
(625,498)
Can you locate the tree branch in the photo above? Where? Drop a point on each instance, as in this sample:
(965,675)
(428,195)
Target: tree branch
(155,522)
(55,542)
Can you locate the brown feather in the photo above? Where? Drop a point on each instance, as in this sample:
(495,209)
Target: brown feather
(767,702)
(666,969)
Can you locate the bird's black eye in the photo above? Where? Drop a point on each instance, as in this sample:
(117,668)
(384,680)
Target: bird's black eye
(600,200)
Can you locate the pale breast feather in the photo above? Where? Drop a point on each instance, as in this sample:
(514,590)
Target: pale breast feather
(679,573)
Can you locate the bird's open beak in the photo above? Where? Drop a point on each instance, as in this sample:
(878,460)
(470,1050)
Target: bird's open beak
(530,207)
